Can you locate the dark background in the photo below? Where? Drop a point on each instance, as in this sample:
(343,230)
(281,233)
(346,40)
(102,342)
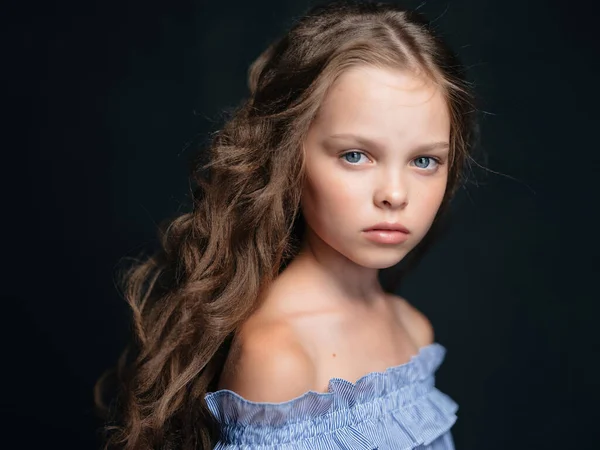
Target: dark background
(104,105)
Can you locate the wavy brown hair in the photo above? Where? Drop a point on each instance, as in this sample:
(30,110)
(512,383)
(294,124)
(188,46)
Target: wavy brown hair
(214,262)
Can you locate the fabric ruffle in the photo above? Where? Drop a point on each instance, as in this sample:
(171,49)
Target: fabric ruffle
(399,408)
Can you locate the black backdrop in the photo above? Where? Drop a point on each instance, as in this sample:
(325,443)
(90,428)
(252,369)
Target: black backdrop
(101,102)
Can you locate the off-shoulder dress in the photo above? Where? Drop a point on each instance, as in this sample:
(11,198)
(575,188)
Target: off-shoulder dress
(397,409)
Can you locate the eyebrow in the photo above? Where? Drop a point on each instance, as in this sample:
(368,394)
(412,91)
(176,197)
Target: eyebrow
(362,140)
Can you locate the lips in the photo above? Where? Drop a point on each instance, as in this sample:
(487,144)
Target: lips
(388,226)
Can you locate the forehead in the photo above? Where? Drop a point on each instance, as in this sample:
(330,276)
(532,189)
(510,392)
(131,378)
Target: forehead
(385,101)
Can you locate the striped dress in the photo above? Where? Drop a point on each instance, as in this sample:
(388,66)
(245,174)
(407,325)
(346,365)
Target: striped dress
(397,409)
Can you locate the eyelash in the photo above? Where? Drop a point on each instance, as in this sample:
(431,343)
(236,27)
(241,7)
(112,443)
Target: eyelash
(433,158)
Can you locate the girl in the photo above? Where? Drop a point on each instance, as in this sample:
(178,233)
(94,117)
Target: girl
(261,323)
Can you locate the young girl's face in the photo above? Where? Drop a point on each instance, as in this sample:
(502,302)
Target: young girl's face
(376,152)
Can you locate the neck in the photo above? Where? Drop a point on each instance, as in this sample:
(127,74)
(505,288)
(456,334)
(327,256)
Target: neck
(340,278)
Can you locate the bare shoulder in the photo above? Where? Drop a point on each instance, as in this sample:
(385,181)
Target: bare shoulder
(414,321)
(268,364)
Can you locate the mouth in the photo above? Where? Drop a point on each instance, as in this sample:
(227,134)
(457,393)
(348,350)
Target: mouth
(388,227)
(383,236)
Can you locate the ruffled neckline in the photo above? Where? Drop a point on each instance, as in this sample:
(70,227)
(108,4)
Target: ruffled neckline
(229,407)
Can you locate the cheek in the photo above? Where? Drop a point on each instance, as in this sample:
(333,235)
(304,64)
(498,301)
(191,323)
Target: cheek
(432,198)
(429,201)
(329,201)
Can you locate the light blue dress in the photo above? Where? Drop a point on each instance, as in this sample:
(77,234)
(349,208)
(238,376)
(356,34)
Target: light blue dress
(397,409)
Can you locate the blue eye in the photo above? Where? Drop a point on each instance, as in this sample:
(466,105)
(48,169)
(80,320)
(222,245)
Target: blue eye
(354,157)
(425,160)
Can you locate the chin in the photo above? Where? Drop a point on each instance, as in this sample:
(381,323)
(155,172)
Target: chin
(381,259)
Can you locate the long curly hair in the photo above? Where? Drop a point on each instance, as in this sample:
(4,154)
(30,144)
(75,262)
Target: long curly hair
(214,262)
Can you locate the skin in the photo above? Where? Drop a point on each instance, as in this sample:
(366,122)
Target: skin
(327,312)
(365,165)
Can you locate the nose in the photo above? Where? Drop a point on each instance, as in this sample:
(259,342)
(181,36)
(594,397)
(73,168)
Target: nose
(392,192)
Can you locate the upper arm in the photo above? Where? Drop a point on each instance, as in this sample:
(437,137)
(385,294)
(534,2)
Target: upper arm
(271,367)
